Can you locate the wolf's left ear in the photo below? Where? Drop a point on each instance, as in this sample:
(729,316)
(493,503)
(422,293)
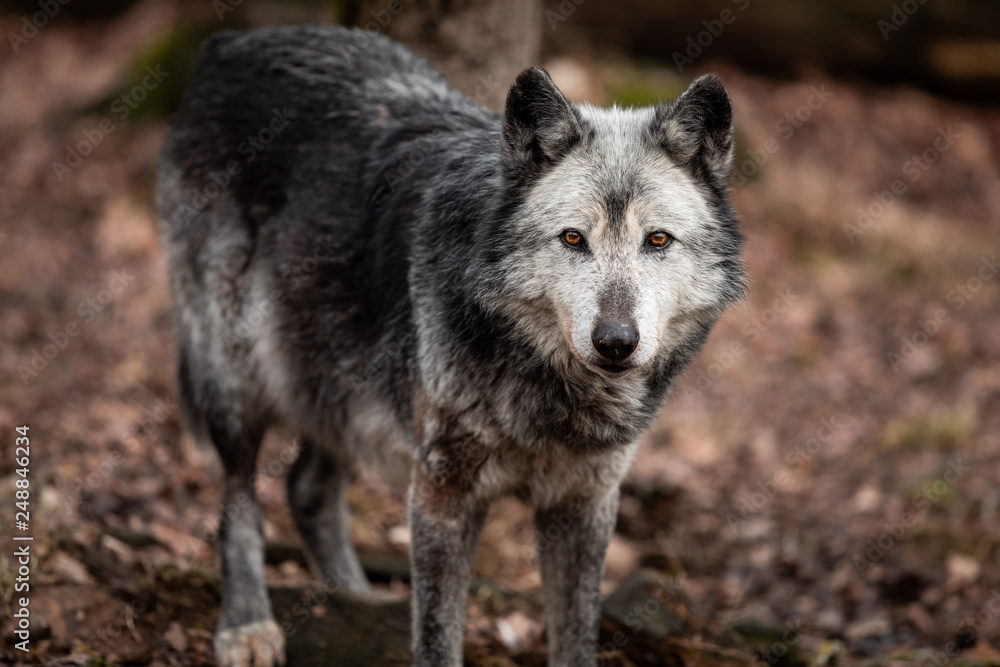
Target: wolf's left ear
(697,130)
(539,126)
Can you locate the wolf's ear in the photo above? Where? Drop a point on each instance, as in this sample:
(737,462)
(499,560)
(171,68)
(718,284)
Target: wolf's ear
(539,126)
(697,130)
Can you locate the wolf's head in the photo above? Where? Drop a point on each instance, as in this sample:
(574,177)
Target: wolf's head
(622,232)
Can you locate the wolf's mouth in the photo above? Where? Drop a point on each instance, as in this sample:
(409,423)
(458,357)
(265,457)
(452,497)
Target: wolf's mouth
(615,369)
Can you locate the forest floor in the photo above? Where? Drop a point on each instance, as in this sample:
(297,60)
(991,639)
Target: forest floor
(829,463)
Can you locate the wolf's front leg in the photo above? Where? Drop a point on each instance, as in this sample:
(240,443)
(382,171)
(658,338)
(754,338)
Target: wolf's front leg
(247,634)
(445,529)
(572,542)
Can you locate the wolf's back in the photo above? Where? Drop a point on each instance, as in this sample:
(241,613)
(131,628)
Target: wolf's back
(289,103)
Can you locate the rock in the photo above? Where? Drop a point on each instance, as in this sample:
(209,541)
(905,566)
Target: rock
(175,637)
(291,568)
(651,621)
(352,631)
(518,632)
(123,552)
(399,536)
(69,569)
(622,558)
(875,627)
(918,616)
(648,620)
(962,570)
(867,499)
(830,620)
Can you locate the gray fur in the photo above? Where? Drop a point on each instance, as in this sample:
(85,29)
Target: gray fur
(383,267)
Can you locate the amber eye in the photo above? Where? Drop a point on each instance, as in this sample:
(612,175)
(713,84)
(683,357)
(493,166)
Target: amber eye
(571,237)
(660,239)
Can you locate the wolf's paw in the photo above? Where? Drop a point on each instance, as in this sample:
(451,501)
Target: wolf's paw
(259,644)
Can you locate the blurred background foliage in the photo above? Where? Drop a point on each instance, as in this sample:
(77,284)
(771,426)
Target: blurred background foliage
(949,47)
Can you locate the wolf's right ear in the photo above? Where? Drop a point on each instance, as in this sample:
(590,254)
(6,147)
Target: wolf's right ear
(539,126)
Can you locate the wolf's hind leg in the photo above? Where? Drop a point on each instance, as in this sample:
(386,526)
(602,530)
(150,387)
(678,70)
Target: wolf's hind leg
(317,488)
(247,633)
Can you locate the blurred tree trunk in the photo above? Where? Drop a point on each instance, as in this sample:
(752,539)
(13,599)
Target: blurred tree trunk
(479,45)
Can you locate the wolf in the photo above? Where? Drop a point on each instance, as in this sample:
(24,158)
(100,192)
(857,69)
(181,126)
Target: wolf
(495,304)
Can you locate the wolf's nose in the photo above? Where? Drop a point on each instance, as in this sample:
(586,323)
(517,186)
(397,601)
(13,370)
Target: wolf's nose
(615,341)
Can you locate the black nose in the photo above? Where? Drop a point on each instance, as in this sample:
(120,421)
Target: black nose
(615,341)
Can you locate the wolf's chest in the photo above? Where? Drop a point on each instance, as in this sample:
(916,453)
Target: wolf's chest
(551,478)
